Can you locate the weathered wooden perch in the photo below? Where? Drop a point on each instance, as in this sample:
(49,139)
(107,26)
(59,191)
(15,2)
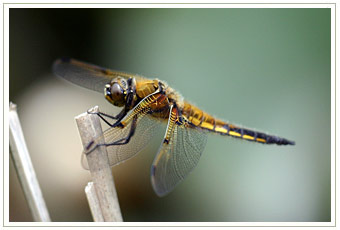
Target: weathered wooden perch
(24,168)
(94,204)
(90,128)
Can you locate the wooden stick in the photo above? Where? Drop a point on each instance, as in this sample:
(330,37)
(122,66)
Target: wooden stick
(94,204)
(98,162)
(24,168)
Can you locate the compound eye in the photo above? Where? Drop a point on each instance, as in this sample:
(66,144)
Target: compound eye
(117,93)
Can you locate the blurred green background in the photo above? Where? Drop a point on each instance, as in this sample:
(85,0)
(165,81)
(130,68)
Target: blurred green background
(268,69)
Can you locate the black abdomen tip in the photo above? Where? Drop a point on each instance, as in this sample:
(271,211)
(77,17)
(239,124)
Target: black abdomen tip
(290,142)
(283,141)
(279,141)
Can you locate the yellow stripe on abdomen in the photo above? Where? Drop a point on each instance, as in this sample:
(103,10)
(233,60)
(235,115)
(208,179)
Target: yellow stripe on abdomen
(247,137)
(224,128)
(205,121)
(217,126)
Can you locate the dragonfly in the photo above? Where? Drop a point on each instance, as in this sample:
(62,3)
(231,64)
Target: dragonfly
(146,105)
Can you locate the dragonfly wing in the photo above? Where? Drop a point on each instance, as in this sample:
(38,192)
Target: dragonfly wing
(177,158)
(144,133)
(86,75)
(143,121)
(145,130)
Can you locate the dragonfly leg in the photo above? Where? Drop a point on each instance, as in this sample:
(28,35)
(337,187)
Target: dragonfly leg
(126,139)
(118,117)
(140,110)
(121,141)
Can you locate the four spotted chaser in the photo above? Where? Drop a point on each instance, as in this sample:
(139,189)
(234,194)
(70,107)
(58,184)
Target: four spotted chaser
(146,105)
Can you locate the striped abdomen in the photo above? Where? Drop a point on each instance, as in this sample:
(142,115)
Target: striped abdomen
(203,120)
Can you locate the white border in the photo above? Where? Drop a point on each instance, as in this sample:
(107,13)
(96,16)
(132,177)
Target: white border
(81,224)
(166,4)
(6,106)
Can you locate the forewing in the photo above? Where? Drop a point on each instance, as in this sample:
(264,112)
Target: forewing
(176,159)
(145,131)
(145,123)
(86,75)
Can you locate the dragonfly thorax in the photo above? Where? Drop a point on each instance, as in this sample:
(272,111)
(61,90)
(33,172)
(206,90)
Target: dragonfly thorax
(145,87)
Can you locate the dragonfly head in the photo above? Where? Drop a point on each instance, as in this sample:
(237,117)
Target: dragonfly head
(116,91)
